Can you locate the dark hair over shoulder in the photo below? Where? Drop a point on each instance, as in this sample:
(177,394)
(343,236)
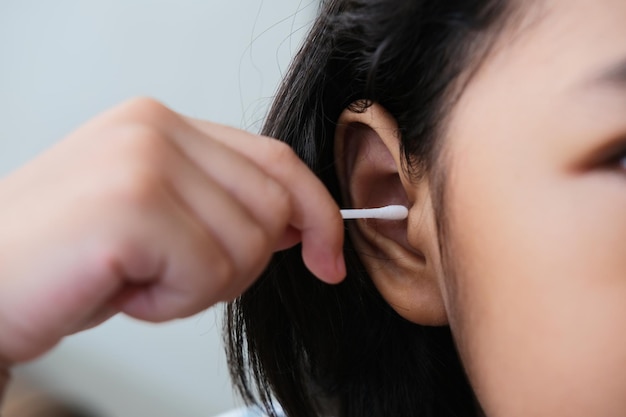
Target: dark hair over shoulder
(341,350)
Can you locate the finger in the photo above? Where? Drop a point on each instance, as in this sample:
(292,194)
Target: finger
(315,213)
(260,193)
(290,237)
(248,230)
(189,270)
(261,196)
(100,317)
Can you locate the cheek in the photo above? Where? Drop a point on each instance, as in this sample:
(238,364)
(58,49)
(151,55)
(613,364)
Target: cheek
(539,300)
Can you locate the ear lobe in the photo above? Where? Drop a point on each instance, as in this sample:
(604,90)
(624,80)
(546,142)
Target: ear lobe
(401,257)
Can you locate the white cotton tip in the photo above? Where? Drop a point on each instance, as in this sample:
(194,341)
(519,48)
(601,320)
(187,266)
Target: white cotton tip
(382,213)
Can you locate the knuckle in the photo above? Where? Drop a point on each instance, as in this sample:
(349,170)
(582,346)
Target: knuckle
(134,173)
(145,186)
(280,153)
(137,186)
(147,108)
(279,199)
(142,145)
(142,191)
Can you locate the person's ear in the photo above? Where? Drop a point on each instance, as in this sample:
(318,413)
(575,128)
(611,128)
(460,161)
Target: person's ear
(401,257)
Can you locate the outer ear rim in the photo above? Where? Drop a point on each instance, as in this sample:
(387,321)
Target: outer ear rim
(376,117)
(410,287)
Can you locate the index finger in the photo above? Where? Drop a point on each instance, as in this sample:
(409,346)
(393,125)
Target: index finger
(315,214)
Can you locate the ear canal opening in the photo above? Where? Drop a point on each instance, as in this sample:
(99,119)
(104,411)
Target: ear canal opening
(387,190)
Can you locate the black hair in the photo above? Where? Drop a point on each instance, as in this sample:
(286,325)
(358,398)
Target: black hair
(323,350)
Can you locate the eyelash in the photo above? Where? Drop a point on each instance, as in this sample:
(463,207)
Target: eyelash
(610,157)
(618,160)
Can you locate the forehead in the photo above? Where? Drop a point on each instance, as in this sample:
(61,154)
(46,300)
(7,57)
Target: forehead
(560,43)
(553,67)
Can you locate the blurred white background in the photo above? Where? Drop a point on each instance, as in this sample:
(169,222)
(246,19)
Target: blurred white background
(61,63)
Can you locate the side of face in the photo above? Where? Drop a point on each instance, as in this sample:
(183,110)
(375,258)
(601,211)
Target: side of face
(536,202)
(536,217)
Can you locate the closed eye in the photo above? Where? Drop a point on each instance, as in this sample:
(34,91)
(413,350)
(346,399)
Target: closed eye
(618,161)
(610,157)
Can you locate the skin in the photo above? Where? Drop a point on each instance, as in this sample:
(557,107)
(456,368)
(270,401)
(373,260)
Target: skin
(536,204)
(149,213)
(535,200)
(533,281)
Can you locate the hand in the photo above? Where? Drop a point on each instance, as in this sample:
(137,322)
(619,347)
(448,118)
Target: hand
(149,213)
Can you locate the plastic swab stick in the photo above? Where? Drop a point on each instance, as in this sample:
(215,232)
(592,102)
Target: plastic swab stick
(382,213)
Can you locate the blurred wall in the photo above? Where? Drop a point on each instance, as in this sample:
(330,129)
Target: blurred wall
(61,62)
